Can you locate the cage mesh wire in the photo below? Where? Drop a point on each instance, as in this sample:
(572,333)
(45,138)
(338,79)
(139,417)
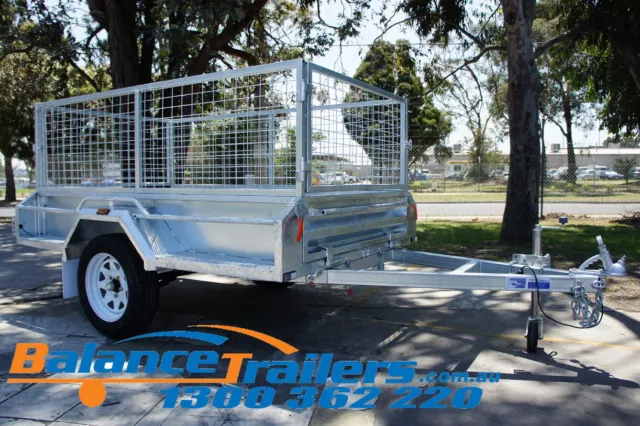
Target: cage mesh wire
(223,133)
(91,143)
(355,134)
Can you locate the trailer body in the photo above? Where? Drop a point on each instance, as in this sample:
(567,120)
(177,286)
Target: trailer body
(241,173)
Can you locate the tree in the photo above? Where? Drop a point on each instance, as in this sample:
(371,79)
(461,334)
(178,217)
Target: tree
(37,62)
(626,166)
(149,40)
(392,67)
(175,39)
(438,22)
(484,157)
(465,99)
(442,19)
(609,65)
(22,83)
(562,102)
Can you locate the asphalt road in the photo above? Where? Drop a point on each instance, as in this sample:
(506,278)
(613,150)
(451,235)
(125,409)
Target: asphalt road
(582,377)
(497,209)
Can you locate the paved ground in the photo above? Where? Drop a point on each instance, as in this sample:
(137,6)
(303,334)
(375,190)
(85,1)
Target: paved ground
(497,209)
(585,377)
(20,278)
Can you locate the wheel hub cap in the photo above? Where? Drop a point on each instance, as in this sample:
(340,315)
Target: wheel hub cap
(107,288)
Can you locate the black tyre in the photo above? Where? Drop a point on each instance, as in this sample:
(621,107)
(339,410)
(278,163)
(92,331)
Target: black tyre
(273,285)
(117,295)
(532,337)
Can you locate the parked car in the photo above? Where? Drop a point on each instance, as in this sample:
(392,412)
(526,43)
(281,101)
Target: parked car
(637,172)
(589,175)
(611,175)
(345,177)
(335,178)
(454,176)
(560,173)
(326,179)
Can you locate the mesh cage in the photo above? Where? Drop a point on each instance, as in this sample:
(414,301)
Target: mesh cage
(222,132)
(231,129)
(356,133)
(91,143)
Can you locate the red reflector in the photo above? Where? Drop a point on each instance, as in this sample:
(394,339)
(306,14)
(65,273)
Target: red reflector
(300,230)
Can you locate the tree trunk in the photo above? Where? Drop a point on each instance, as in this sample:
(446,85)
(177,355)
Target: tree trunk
(119,19)
(123,44)
(10,192)
(568,118)
(521,210)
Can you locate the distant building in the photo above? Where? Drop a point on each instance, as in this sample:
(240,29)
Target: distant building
(585,157)
(556,157)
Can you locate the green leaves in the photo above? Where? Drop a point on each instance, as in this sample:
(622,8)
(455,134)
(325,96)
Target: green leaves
(393,68)
(608,63)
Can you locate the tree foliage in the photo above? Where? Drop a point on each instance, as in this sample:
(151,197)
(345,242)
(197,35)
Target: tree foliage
(160,39)
(562,101)
(626,166)
(392,67)
(608,65)
(23,82)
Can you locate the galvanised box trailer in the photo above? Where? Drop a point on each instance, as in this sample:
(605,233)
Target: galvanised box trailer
(241,173)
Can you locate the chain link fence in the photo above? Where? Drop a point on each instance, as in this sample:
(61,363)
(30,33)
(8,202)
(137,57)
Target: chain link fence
(609,178)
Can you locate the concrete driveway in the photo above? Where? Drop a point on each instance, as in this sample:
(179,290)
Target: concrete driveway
(585,377)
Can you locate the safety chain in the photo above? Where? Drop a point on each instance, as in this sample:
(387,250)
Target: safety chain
(581,304)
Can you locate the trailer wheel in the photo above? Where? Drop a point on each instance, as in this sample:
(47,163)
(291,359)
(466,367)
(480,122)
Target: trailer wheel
(273,285)
(117,295)
(532,336)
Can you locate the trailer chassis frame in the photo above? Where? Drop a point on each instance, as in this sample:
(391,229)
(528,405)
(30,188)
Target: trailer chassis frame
(463,273)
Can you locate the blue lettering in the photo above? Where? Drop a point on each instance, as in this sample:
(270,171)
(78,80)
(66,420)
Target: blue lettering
(197,358)
(67,358)
(166,364)
(402,369)
(371,370)
(87,358)
(344,368)
(444,377)
(252,370)
(135,361)
(282,372)
(110,362)
(308,367)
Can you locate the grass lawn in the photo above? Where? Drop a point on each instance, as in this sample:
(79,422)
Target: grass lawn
(568,248)
(20,192)
(446,197)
